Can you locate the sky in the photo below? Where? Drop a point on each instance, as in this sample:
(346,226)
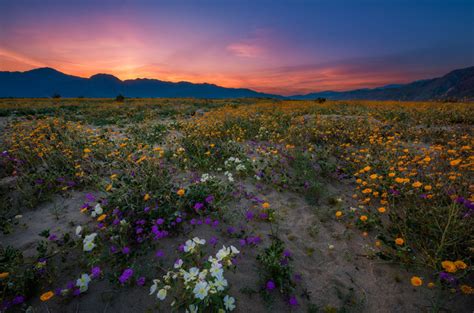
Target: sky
(282,47)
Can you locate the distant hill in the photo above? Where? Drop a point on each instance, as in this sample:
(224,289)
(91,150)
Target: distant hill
(458,84)
(45,82)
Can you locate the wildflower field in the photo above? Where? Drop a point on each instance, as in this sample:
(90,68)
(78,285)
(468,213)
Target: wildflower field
(244,205)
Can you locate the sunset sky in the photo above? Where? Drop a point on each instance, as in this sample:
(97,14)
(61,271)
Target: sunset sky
(284,47)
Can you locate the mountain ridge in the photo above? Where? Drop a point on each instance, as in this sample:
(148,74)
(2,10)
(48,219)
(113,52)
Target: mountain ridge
(47,81)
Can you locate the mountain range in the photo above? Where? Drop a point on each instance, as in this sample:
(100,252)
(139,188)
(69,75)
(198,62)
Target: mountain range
(46,82)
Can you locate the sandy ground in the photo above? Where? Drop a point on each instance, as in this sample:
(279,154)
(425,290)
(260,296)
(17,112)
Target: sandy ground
(331,277)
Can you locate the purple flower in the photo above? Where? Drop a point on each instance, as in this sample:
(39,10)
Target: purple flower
(52,237)
(126,275)
(207,221)
(215,223)
(95,272)
(213,241)
(231,230)
(209,199)
(125,250)
(179,220)
(198,206)
(159,254)
(270,285)
(192,221)
(76,292)
(447,277)
(286,253)
(146,210)
(18,300)
(70,285)
(141,281)
(249,215)
(242,242)
(90,197)
(160,221)
(293,301)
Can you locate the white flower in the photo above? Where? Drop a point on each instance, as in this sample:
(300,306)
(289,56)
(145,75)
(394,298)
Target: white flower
(88,242)
(199,241)
(154,286)
(201,290)
(79,231)
(191,275)
(192,309)
(216,269)
(97,210)
(189,246)
(203,274)
(220,283)
(222,253)
(83,282)
(178,263)
(234,250)
(90,237)
(89,246)
(161,294)
(240,167)
(229,303)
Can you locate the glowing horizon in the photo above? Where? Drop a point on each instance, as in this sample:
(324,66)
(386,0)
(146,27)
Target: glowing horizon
(282,48)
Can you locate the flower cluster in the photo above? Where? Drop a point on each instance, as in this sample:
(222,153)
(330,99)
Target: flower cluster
(203,279)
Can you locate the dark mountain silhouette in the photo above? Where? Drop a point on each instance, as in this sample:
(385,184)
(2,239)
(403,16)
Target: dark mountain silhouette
(456,85)
(45,82)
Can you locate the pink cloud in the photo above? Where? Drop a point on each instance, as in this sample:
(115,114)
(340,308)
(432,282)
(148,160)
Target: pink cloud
(247,50)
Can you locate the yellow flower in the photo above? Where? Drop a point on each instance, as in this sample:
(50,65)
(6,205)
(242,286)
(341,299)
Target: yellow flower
(416,281)
(391,174)
(378,243)
(455,162)
(428,187)
(265,205)
(417,184)
(373,176)
(46,296)
(431,284)
(363,218)
(399,241)
(381,210)
(467,290)
(146,197)
(108,188)
(338,214)
(460,265)
(449,266)
(180,192)
(101,218)
(87,150)
(4,275)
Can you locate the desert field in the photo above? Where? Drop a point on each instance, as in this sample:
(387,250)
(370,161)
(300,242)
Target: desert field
(243,205)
